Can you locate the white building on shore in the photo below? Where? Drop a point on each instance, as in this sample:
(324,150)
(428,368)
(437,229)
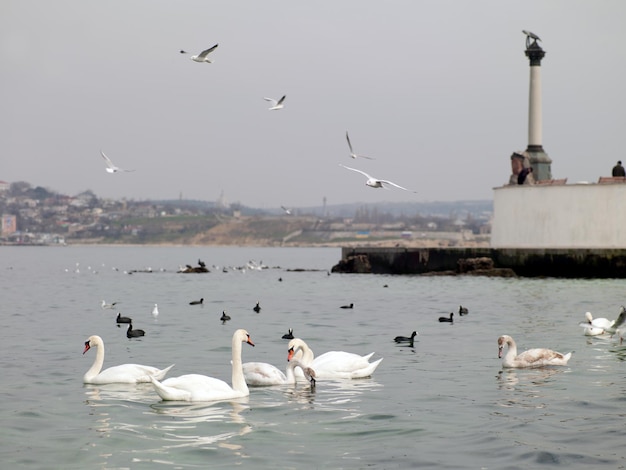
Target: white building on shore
(540,212)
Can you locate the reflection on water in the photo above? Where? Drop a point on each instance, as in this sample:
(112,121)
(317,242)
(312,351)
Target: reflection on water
(527,386)
(118,392)
(188,426)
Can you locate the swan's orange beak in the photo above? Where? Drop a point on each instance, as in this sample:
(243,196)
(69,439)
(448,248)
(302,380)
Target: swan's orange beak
(290,354)
(249,341)
(87,347)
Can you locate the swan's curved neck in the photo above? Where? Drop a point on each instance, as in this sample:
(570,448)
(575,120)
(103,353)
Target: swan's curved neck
(238,379)
(512,352)
(289,373)
(307,353)
(96,367)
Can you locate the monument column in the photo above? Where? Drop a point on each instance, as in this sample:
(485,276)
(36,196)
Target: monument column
(539,159)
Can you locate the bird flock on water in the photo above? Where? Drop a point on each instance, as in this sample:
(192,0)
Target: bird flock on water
(302,363)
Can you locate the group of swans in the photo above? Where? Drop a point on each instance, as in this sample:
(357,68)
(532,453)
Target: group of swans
(196,387)
(538,357)
(600,326)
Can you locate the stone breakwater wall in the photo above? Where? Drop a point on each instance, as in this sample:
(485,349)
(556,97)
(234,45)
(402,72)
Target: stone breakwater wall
(564,263)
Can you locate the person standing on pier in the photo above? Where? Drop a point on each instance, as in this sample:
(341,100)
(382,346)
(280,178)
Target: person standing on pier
(618,170)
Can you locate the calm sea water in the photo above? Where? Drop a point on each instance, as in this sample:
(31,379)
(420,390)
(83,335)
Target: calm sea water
(443,404)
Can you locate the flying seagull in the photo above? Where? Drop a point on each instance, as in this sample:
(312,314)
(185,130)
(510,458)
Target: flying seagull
(276,104)
(530,35)
(287,211)
(111,168)
(352,154)
(375,182)
(203,56)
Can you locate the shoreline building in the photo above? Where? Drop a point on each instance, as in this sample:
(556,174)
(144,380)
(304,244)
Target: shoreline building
(548,213)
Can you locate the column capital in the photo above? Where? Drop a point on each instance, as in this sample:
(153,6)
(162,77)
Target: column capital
(535,53)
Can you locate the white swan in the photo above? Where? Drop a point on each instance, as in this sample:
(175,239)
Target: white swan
(604,324)
(334,364)
(261,374)
(538,357)
(594,326)
(195,387)
(125,373)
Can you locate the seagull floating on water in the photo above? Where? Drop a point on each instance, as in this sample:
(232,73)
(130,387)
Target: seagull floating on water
(375,182)
(276,104)
(203,56)
(155,311)
(111,168)
(352,154)
(104,305)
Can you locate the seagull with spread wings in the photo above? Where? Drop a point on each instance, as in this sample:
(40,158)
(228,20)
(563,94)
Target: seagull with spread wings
(276,104)
(203,56)
(375,182)
(352,154)
(111,168)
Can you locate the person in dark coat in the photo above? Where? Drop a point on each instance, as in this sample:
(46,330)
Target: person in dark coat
(521,178)
(618,170)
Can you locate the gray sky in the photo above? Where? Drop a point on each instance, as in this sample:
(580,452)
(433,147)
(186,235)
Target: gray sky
(436,91)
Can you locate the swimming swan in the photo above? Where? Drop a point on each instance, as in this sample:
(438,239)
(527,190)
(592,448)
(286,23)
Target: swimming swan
(261,374)
(594,326)
(334,364)
(538,357)
(125,373)
(195,387)
(606,325)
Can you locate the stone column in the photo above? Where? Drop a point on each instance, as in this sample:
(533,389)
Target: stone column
(539,159)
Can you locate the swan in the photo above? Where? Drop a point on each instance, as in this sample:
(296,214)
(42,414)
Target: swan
(334,364)
(607,326)
(125,373)
(594,326)
(195,387)
(259,374)
(406,339)
(446,319)
(532,358)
